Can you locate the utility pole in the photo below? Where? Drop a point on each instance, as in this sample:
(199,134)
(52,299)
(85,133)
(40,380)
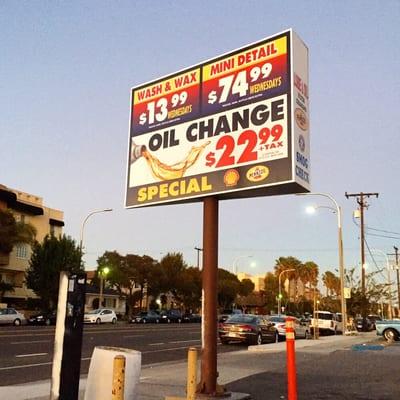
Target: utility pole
(362,204)
(198,249)
(396,254)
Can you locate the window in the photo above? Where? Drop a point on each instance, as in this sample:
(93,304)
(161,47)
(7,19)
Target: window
(22,251)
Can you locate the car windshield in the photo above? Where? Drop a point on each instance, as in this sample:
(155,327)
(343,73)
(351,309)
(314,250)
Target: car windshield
(246,319)
(326,316)
(276,319)
(3,311)
(94,312)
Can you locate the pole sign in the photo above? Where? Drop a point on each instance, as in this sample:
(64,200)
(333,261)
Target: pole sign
(235,126)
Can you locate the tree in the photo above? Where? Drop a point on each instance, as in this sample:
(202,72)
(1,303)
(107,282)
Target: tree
(5,287)
(246,286)
(332,283)
(48,259)
(13,232)
(271,291)
(228,288)
(285,263)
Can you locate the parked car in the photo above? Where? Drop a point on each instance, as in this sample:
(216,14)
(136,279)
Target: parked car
(369,325)
(373,318)
(189,317)
(100,316)
(389,329)
(247,328)
(301,328)
(171,316)
(228,313)
(43,318)
(326,322)
(11,316)
(146,317)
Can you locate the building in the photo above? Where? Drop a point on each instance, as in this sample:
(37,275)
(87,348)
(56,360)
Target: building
(27,208)
(258,280)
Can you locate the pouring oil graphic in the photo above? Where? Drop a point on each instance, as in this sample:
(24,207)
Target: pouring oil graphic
(163,171)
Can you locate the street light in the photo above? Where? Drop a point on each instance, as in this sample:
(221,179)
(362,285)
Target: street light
(103,274)
(389,280)
(83,228)
(279,288)
(235,270)
(340,247)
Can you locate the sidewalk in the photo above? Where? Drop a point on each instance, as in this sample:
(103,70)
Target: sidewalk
(169,379)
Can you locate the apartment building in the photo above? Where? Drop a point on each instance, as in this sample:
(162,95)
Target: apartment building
(27,208)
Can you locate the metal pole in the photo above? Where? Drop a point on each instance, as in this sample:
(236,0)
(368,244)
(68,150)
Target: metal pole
(118,387)
(341,257)
(279,288)
(101,290)
(83,228)
(208,383)
(341,268)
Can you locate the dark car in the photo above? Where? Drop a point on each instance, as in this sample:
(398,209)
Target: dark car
(227,314)
(247,328)
(146,317)
(171,316)
(189,317)
(369,325)
(43,318)
(373,319)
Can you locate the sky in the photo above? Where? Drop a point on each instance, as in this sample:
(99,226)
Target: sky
(66,70)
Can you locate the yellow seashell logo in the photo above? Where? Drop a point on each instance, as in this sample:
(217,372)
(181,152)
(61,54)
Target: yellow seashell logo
(231,177)
(257,173)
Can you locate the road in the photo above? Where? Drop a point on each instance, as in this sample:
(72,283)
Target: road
(26,352)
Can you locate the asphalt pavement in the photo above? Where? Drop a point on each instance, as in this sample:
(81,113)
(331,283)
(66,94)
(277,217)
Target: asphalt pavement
(328,368)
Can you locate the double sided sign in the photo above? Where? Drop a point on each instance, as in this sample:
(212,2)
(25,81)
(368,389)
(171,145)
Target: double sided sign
(235,126)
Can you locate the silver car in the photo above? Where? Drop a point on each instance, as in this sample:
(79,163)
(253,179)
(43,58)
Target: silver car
(301,329)
(11,316)
(100,316)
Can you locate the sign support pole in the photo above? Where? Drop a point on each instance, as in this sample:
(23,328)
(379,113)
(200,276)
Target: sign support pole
(208,382)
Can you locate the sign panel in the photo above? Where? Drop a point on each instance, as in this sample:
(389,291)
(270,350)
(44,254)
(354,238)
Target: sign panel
(234,126)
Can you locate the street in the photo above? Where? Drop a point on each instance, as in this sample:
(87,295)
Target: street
(27,351)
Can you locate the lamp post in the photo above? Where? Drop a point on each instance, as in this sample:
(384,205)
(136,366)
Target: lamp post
(279,288)
(198,249)
(340,248)
(103,273)
(235,270)
(83,228)
(389,281)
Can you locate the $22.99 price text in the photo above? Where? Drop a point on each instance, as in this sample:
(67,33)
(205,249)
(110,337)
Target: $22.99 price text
(267,138)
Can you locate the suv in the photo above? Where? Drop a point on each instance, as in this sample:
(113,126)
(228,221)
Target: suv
(171,316)
(327,322)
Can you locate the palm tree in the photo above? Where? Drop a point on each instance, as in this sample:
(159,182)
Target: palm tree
(331,282)
(13,232)
(309,274)
(285,263)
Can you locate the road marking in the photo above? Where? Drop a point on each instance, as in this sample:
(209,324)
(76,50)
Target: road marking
(33,341)
(156,344)
(32,355)
(133,336)
(170,349)
(186,341)
(34,365)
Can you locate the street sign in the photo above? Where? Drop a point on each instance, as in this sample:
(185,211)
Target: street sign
(347,293)
(234,126)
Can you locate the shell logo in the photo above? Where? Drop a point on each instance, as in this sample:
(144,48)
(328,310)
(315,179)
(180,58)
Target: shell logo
(257,173)
(231,177)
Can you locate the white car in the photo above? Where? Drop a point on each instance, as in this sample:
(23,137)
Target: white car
(301,329)
(100,316)
(326,321)
(11,316)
